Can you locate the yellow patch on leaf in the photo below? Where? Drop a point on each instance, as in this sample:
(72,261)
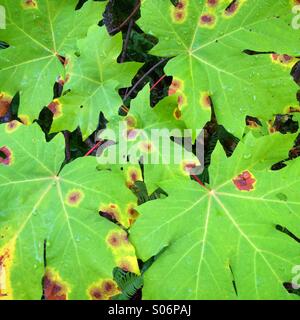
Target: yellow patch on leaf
(25,119)
(74,197)
(30,4)
(6,259)
(207,20)
(233,8)
(12,126)
(205,100)
(128,263)
(103,290)
(5,102)
(133,174)
(283,60)
(111,210)
(291,109)
(179,12)
(56,108)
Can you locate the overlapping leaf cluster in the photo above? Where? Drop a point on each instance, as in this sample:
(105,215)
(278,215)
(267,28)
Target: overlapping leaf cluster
(64,227)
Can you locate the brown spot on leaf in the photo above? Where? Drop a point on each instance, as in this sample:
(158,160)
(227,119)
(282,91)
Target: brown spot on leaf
(179,16)
(274,56)
(181,101)
(104,290)
(245,181)
(146,146)
(177,113)
(292,110)
(96,294)
(111,211)
(132,213)
(124,237)
(74,198)
(131,121)
(114,239)
(125,265)
(205,100)
(5,156)
(189,166)
(181,5)
(212,3)
(175,86)
(133,175)
(128,263)
(252,122)
(179,12)
(232,8)
(5,102)
(109,288)
(207,19)
(12,126)
(30,4)
(56,108)
(131,134)
(53,288)
(283,59)
(3,258)
(271,127)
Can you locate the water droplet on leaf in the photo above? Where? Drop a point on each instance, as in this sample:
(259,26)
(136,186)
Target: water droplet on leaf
(247,156)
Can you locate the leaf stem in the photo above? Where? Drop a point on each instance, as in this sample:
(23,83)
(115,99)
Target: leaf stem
(136,8)
(68,147)
(127,41)
(143,77)
(158,82)
(198,180)
(98,144)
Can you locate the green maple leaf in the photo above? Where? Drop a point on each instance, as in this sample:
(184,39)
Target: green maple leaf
(145,133)
(93,79)
(38,32)
(43,204)
(210,237)
(208,40)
